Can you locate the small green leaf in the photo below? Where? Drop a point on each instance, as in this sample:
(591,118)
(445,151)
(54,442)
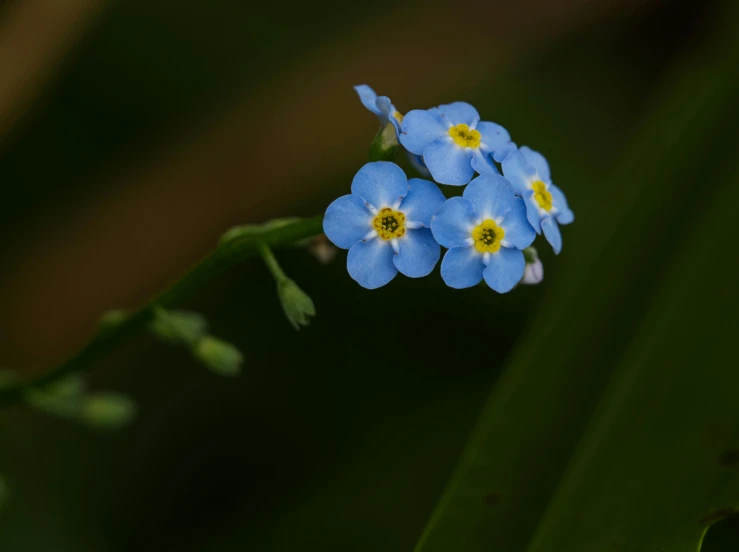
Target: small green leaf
(298,306)
(108,410)
(181,327)
(219,356)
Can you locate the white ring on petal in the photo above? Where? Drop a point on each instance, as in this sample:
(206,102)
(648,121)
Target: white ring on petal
(372,234)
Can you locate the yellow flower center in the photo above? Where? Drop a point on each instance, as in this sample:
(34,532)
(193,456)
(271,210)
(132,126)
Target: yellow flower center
(464,137)
(487,236)
(398,116)
(389,224)
(542,196)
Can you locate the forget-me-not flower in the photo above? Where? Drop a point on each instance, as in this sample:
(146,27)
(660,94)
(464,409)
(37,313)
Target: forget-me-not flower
(384,223)
(485,231)
(454,142)
(546,205)
(381,106)
(386,112)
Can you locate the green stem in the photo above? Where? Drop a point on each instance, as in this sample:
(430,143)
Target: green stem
(243,245)
(271,262)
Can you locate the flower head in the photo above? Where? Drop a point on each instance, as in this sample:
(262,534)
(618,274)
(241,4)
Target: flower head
(453,142)
(485,231)
(546,205)
(384,223)
(380,106)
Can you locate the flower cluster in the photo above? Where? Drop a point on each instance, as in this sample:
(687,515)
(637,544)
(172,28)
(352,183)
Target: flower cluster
(392,224)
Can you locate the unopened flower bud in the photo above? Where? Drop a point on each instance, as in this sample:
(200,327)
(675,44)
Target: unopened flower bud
(108,410)
(534,271)
(221,357)
(298,306)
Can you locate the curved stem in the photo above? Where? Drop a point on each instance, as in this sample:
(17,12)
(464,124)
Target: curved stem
(237,246)
(269,259)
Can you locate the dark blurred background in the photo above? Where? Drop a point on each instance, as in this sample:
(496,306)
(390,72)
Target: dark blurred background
(132,134)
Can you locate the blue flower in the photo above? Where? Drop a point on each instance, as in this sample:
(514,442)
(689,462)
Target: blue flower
(380,106)
(454,142)
(387,113)
(546,205)
(485,231)
(384,223)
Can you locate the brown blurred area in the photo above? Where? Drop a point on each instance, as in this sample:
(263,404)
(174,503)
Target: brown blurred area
(271,151)
(34,36)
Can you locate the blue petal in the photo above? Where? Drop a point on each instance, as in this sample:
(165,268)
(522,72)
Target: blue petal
(347,221)
(518,231)
(418,253)
(518,171)
(368,97)
(565,217)
(388,113)
(564,213)
(483,163)
(370,263)
(462,267)
(459,113)
(386,107)
(551,233)
(448,163)
(380,183)
(502,151)
(423,200)
(418,164)
(537,160)
(505,269)
(491,194)
(419,129)
(532,211)
(495,139)
(453,223)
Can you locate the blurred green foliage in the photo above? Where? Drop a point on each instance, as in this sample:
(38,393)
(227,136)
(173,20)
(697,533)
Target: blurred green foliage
(647,456)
